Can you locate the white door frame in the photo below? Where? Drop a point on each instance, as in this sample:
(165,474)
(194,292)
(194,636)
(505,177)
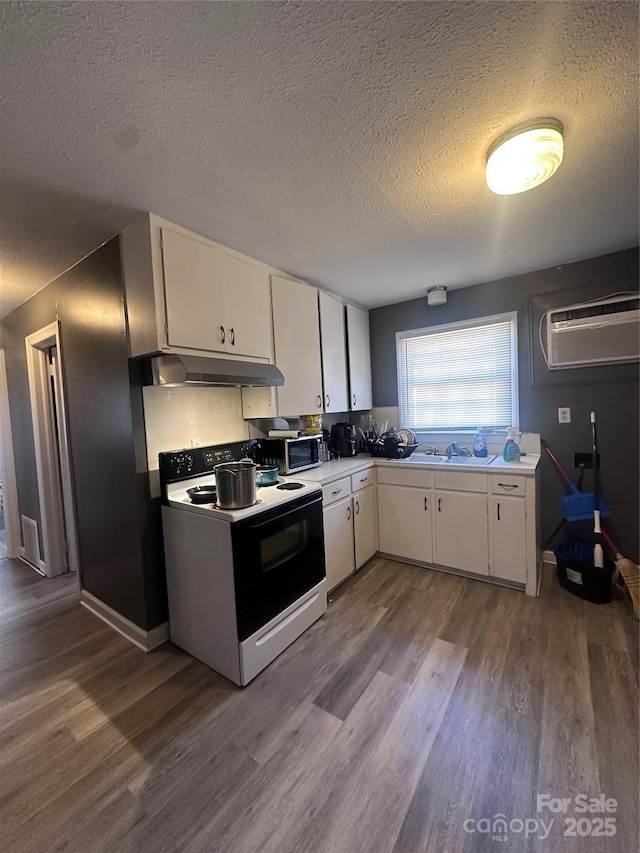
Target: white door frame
(8,468)
(50,493)
(65,466)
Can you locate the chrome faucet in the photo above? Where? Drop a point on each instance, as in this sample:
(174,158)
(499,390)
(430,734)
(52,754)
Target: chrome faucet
(455,450)
(431,450)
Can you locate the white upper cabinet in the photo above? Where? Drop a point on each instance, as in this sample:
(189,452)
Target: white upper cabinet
(248,308)
(334,354)
(359,350)
(296,332)
(194,292)
(185,293)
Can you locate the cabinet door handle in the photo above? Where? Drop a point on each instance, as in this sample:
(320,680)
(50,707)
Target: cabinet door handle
(336,491)
(498,510)
(354,399)
(363,479)
(319,401)
(223,336)
(348,513)
(233,337)
(439,504)
(426,505)
(357,507)
(508,486)
(328,398)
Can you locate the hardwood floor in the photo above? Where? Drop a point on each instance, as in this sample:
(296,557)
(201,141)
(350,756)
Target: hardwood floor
(420,701)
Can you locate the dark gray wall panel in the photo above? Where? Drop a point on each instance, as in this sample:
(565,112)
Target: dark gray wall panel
(612,391)
(118,526)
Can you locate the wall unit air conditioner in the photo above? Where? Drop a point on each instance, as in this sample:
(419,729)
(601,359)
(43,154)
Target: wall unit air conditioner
(606,331)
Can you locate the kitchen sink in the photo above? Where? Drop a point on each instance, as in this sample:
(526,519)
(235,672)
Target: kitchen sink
(425,459)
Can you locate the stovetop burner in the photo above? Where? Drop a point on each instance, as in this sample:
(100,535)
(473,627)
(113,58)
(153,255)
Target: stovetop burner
(290,487)
(268,485)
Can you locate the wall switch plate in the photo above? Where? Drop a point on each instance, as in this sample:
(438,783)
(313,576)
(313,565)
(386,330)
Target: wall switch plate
(564,415)
(196,442)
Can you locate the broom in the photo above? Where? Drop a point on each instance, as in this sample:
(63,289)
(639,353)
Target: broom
(630,572)
(598,556)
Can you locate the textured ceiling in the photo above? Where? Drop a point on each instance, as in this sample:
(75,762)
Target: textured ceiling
(342,142)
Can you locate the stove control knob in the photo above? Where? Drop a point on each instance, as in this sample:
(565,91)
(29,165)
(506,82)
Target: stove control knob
(182,464)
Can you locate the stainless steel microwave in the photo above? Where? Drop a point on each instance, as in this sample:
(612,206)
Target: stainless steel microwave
(292,454)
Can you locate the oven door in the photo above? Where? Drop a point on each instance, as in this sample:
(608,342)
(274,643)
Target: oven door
(277,557)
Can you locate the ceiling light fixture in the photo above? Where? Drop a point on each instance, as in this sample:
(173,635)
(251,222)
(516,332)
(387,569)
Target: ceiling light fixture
(437,295)
(525,157)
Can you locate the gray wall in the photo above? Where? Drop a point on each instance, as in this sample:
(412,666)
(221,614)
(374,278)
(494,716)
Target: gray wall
(117,524)
(612,391)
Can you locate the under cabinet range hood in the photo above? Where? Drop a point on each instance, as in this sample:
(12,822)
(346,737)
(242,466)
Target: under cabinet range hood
(172,369)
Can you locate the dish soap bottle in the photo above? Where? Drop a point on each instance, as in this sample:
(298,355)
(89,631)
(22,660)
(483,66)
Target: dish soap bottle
(480,443)
(511,452)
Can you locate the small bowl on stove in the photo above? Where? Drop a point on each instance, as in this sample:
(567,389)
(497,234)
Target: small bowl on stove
(266,475)
(203,494)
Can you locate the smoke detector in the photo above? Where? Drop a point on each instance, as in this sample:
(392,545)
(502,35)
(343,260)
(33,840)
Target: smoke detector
(437,295)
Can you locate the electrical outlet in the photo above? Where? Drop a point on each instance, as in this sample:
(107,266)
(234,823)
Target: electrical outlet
(196,442)
(564,415)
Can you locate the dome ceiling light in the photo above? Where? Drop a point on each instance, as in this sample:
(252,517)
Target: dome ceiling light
(525,157)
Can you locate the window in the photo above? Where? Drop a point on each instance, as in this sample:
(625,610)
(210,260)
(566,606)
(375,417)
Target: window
(459,376)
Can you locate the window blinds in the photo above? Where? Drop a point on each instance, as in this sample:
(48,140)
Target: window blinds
(458,378)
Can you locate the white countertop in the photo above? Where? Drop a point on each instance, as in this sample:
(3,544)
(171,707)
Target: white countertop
(336,468)
(527,464)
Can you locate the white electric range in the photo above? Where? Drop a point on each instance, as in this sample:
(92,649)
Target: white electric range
(242,584)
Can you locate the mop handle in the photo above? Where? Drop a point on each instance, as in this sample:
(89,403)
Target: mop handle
(564,474)
(596,479)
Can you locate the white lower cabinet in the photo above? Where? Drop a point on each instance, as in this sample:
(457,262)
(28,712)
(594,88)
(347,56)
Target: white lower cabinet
(465,520)
(365,525)
(508,518)
(462,540)
(350,524)
(404,522)
(338,541)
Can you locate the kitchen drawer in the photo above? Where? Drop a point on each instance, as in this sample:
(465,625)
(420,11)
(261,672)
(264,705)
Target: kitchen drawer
(363,479)
(509,484)
(335,491)
(394,475)
(460,481)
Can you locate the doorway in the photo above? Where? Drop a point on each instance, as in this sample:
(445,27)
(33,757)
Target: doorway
(10,537)
(55,491)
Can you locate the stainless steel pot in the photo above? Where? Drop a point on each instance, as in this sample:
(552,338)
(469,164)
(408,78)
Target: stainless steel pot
(236,484)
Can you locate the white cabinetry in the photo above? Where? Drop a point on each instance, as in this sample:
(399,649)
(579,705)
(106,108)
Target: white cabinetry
(359,354)
(248,308)
(338,541)
(365,525)
(405,512)
(194,291)
(296,332)
(405,521)
(512,527)
(350,524)
(508,538)
(480,523)
(334,354)
(185,293)
(461,531)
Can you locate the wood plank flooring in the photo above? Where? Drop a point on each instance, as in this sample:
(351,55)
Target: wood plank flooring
(420,701)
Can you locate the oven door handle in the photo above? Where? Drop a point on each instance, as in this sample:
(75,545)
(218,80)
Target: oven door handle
(257,525)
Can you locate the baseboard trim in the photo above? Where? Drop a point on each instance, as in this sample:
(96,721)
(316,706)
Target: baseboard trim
(40,568)
(549,558)
(145,640)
